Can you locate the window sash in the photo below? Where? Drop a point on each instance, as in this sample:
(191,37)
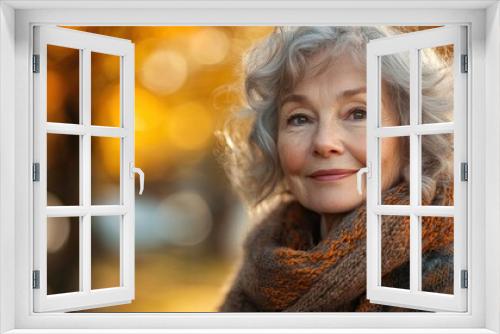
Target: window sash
(413,298)
(86,297)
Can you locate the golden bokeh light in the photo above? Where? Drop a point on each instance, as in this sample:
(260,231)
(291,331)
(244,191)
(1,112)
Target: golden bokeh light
(187,83)
(209,46)
(62,84)
(105,83)
(56,90)
(164,71)
(109,153)
(106,105)
(190,126)
(109,65)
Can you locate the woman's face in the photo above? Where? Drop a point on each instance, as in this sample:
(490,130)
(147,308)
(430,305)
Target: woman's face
(322,138)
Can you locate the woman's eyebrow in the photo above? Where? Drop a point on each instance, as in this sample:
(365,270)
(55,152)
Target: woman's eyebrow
(342,95)
(351,92)
(296,98)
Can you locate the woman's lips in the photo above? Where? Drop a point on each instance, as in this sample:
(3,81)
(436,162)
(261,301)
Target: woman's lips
(331,177)
(331,174)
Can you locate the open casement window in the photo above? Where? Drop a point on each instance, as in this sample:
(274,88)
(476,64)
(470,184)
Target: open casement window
(416,214)
(84,212)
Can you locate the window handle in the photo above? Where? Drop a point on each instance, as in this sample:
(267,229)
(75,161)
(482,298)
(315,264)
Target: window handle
(135,170)
(359,174)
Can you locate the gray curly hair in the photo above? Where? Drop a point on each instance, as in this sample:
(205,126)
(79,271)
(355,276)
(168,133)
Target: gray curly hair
(276,64)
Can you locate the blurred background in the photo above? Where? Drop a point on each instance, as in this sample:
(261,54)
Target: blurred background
(189,223)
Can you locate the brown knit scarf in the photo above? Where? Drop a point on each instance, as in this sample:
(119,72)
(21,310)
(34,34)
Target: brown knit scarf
(287,268)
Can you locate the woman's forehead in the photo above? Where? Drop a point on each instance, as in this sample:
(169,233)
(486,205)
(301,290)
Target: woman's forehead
(343,74)
(323,69)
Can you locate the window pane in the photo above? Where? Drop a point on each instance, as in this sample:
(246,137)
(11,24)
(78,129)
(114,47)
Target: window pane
(396,241)
(437,262)
(63,84)
(63,169)
(105,89)
(105,170)
(105,251)
(437,169)
(436,84)
(394,184)
(395,98)
(63,254)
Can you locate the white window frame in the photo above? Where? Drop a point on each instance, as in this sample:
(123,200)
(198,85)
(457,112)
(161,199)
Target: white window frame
(16,212)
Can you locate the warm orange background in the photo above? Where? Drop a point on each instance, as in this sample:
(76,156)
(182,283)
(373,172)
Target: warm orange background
(189,224)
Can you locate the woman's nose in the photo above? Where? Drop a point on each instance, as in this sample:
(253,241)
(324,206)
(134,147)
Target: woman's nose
(328,140)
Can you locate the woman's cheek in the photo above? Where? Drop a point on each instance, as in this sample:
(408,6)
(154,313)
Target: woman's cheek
(292,153)
(358,149)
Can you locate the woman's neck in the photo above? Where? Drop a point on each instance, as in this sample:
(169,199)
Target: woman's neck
(328,221)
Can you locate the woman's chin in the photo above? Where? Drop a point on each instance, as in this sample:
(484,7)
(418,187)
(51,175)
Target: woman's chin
(332,206)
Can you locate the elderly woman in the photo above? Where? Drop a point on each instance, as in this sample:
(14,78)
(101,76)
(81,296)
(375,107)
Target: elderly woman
(306,94)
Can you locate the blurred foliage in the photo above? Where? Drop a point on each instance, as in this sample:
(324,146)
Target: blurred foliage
(189,223)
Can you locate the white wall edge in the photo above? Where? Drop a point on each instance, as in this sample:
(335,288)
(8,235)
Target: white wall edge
(255,331)
(492,145)
(392,4)
(7,166)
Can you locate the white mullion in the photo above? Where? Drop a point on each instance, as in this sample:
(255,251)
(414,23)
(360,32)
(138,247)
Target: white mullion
(107,210)
(85,236)
(65,128)
(85,247)
(107,131)
(376,198)
(80,211)
(80,129)
(419,210)
(127,228)
(66,211)
(74,129)
(123,173)
(417,237)
(419,129)
(415,276)
(415,262)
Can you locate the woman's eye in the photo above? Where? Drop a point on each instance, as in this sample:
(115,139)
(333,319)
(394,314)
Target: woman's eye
(297,120)
(358,114)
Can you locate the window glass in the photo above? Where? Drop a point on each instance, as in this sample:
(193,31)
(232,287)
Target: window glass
(105,92)
(63,249)
(106,166)
(63,84)
(63,180)
(105,250)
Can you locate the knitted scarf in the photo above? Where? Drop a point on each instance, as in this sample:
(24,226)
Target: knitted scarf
(287,268)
